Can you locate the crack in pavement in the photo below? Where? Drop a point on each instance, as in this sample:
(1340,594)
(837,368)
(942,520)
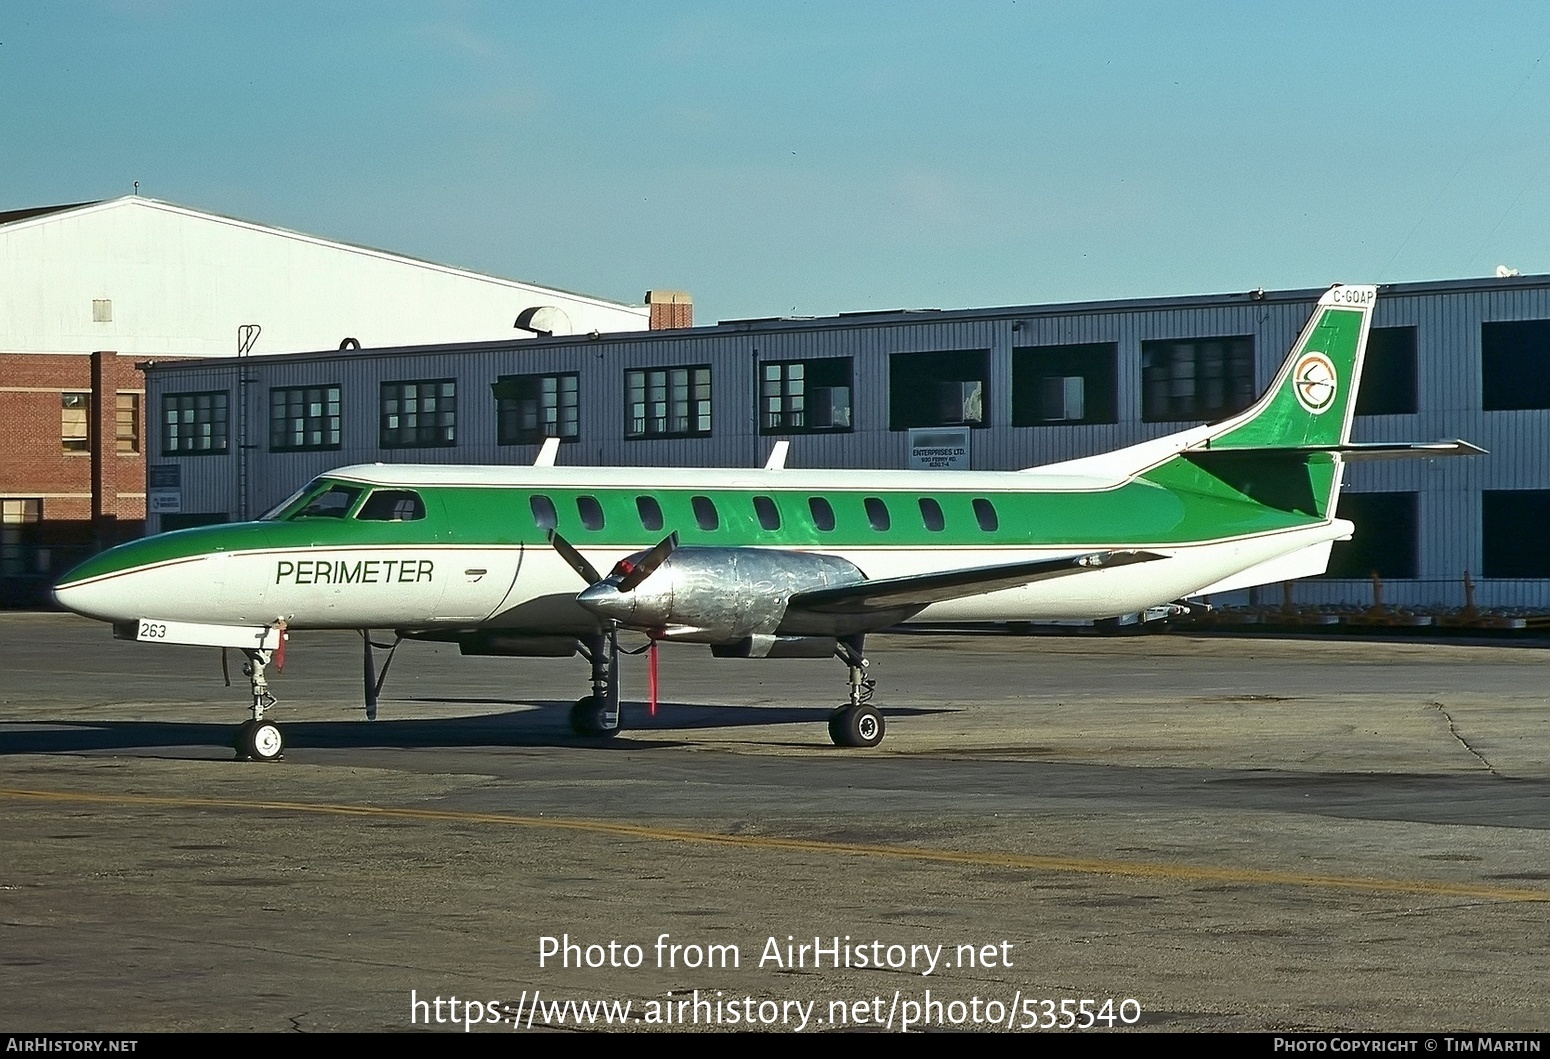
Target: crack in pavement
(1454,732)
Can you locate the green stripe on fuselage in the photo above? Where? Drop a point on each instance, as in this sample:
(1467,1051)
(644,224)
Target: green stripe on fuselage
(1174,504)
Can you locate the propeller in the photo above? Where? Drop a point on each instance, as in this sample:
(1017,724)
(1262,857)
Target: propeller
(627,574)
(604,595)
(574,559)
(648,563)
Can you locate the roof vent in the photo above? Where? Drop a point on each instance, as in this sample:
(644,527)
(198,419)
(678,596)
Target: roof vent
(545,320)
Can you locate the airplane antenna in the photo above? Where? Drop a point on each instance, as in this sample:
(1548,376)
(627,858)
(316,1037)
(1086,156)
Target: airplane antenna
(777,460)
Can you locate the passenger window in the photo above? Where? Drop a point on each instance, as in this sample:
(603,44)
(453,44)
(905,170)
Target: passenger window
(392,505)
(931,515)
(985,511)
(823,514)
(877,514)
(591,512)
(769,514)
(650,512)
(333,504)
(705,512)
(544,514)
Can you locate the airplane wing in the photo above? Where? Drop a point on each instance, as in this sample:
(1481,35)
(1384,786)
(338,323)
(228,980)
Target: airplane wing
(921,590)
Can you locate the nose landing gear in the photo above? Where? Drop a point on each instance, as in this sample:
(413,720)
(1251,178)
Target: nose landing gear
(258,739)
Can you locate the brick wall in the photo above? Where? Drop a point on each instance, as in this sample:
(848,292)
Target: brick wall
(33,460)
(670,308)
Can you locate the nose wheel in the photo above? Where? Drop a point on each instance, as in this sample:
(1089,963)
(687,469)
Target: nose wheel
(259,741)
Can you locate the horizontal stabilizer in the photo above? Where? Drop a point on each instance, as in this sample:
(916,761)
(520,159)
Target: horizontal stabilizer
(921,590)
(1349,451)
(1402,451)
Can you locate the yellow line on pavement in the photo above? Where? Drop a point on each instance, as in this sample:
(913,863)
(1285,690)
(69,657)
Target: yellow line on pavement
(773,843)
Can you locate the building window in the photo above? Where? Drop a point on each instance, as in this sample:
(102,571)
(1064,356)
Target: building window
(530,408)
(127,422)
(1065,384)
(1512,532)
(304,417)
(805,396)
(74,411)
(193,424)
(1196,378)
(1386,541)
(668,402)
(938,389)
(18,523)
(1388,385)
(1515,365)
(419,414)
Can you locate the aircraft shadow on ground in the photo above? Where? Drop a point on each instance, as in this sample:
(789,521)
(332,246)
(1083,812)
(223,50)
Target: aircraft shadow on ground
(545,725)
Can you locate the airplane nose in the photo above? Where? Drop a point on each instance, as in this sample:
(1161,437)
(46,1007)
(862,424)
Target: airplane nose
(87,600)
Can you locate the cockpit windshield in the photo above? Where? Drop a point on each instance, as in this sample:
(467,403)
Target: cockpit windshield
(277,512)
(321,498)
(334,502)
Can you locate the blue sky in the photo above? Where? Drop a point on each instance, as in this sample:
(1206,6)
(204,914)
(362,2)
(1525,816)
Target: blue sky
(780,158)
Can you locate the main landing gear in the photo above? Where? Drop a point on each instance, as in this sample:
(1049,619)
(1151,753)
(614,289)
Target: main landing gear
(258,739)
(857,723)
(597,715)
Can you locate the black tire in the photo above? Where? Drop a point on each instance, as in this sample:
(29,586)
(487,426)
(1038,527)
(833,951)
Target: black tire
(860,726)
(586,719)
(265,742)
(239,739)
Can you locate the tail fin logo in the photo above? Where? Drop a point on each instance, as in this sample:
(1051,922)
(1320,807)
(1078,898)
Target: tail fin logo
(1315,382)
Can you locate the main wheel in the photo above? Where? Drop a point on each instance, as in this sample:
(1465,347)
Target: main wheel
(265,742)
(586,718)
(856,726)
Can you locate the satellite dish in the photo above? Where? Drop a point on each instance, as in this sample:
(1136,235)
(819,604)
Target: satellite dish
(1506,272)
(544,320)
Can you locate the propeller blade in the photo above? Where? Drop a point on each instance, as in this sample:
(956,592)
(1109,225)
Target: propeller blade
(574,559)
(648,563)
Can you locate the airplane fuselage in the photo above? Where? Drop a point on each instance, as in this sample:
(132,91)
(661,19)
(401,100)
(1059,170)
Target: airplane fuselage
(477,554)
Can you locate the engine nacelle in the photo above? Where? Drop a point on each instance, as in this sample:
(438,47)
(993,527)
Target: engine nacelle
(718,595)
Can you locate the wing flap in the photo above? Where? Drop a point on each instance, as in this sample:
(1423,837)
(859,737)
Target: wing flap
(920,590)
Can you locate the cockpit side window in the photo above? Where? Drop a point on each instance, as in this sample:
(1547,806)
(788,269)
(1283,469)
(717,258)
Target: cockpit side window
(335,502)
(392,505)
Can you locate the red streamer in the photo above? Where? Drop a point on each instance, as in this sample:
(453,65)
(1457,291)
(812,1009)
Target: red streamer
(651,668)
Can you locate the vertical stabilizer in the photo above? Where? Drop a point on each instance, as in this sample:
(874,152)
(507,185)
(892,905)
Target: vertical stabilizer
(1313,398)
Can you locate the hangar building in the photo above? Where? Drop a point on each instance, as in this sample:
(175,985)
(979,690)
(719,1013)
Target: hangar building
(998,389)
(91,289)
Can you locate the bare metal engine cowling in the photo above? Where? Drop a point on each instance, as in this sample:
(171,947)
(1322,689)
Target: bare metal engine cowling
(718,595)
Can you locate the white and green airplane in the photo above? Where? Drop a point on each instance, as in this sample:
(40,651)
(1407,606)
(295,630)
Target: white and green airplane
(759,563)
